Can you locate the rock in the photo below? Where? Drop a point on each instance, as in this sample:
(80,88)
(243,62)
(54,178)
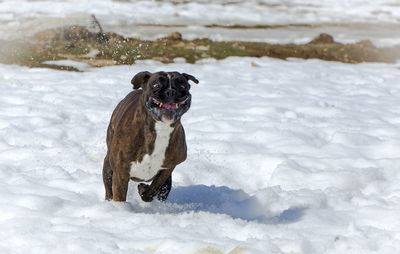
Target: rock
(176,36)
(322,39)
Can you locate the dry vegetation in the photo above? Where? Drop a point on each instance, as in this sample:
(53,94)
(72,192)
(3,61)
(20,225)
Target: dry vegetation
(101,49)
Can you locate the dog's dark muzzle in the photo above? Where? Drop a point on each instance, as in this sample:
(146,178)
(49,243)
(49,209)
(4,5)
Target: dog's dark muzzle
(170,93)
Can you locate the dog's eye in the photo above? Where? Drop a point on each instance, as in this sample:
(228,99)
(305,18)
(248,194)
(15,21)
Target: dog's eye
(156,85)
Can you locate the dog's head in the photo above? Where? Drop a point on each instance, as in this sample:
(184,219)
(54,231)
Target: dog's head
(166,94)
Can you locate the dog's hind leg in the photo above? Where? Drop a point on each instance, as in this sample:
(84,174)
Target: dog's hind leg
(107,178)
(165,189)
(107,169)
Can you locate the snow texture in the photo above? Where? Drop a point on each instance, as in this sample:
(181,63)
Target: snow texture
(26,17)
(283,157)
(211,11)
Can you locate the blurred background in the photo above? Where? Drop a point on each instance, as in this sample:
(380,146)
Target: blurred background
(273,21)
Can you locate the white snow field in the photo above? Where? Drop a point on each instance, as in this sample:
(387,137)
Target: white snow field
(207,12)
(283,157)
(348,21)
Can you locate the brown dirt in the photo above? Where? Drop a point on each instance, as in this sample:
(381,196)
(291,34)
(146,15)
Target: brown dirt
(100,49)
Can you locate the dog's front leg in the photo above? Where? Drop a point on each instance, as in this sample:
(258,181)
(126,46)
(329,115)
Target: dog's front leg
(119,187)
(161,182)
(165,189)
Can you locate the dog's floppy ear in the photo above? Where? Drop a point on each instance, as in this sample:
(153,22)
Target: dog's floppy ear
(140,79)
(190,77)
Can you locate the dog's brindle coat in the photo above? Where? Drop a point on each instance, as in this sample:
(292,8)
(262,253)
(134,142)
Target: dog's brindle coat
(145,138)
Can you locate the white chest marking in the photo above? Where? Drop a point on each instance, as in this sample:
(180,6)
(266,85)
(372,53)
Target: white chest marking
(151,164)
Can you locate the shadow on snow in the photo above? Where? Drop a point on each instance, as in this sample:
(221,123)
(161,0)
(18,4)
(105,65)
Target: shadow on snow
(220,200)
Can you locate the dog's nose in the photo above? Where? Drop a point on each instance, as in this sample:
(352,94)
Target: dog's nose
(170,92)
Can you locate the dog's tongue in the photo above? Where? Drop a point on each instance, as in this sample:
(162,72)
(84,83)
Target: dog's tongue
(169,105)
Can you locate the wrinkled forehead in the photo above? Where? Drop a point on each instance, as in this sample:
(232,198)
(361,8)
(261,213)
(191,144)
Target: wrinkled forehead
(167,77)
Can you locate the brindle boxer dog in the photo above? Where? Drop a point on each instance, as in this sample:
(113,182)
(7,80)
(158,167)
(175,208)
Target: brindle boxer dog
(145,137)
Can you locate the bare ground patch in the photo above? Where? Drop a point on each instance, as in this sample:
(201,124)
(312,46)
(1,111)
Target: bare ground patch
(101,49)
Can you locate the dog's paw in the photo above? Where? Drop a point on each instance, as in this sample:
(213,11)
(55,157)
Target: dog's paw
(142,189)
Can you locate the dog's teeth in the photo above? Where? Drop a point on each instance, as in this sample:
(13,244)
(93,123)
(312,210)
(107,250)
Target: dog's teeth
(161,105)
(176,105)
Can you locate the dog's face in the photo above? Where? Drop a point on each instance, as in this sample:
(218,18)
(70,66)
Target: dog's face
(166,94)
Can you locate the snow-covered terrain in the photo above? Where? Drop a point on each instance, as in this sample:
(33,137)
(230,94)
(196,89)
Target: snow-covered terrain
(283,157)
(212,11)
(297,156)
(379,19)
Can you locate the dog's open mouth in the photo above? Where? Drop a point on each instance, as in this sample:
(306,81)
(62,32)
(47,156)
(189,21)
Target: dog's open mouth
(167,105)
(167,111)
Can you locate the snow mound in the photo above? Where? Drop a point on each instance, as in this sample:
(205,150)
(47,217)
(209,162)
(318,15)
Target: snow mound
(283,157)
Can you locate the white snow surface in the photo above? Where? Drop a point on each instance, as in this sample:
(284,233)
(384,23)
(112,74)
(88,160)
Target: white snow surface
(211,11)
(298,156)
(380,18)
(81,66)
